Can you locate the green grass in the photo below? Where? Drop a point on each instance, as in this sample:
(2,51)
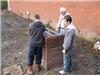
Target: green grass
(49,26)
(3,4)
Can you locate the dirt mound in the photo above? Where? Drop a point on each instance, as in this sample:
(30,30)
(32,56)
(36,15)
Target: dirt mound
(12,21)
(14,31)
(15,37)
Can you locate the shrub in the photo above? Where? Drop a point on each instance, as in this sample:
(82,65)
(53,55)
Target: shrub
(49,26)
(3,4)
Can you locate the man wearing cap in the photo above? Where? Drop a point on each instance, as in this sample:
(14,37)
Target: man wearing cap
(60,25)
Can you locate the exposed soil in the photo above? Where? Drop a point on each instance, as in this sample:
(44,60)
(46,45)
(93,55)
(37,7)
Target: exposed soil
(15,40)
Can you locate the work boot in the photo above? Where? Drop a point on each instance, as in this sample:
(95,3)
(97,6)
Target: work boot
(30,70)
(38,67)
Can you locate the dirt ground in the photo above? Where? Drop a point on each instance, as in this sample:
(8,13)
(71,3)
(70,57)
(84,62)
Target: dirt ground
(15,40)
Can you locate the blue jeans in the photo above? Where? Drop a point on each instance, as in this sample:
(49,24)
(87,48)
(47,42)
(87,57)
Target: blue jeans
(35,52)
(68,60)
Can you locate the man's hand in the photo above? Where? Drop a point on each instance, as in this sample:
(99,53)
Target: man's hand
(57,29)
(64,51)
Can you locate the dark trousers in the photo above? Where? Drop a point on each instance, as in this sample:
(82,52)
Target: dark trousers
(35,52)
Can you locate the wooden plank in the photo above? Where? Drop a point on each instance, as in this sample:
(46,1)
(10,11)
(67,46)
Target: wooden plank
(52,31)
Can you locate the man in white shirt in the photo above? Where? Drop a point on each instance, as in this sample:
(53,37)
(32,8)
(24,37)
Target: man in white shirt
(60,25)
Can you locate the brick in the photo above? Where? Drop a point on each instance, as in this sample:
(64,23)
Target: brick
(52,53)
(83,21)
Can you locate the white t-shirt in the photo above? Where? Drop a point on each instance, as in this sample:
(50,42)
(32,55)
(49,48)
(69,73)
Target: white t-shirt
(61,20)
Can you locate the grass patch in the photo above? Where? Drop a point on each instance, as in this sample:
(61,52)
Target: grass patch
(49,26)
(3,4)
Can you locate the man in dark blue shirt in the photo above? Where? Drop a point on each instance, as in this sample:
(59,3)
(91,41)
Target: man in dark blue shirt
(36,30)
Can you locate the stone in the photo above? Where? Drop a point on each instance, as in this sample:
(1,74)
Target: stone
(13,70)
